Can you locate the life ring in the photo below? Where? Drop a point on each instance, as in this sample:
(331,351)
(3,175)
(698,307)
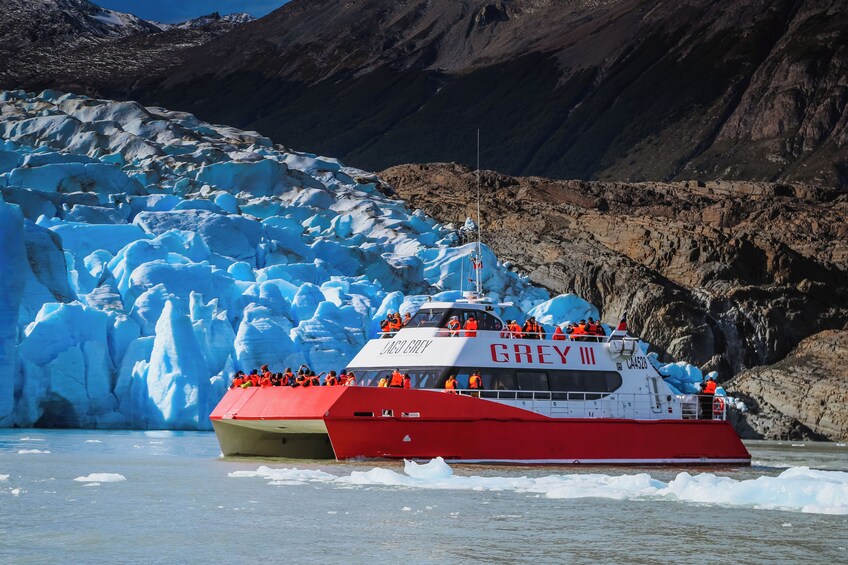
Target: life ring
(718,406)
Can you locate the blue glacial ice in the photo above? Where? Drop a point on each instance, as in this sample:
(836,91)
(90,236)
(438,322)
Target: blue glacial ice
(146,255)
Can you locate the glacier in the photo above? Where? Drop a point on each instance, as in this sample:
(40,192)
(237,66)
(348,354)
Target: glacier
(146,255)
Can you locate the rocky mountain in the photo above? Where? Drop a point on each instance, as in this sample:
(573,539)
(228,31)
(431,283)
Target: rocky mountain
(611,89)
(78,45)
(215,18)
(801,397)
(588,89)
(726,275)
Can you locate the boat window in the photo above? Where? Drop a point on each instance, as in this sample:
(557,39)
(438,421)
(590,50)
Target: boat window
(429,318)
(420,377)
(485,321)
(532,380)
(575,385)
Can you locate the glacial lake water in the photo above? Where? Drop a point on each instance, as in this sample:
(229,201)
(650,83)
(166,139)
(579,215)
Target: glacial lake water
(168,497)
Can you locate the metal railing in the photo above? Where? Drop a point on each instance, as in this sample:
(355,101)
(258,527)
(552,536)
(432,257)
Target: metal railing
(601,404)
(506,334)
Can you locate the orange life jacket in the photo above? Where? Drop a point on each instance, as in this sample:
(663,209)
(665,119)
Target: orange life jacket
(265,382)
(407,382)
(475,382)
(384,382)
(532,330)
(287,378)
(330,380)
(710,387)
(470,328)
(579,329)
(254,379)
(238,381)
(454,326)
(314,380)
(397,380)
(450,384)
(516,330)
(559,335)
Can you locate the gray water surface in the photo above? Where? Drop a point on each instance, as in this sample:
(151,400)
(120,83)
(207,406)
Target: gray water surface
(178,504)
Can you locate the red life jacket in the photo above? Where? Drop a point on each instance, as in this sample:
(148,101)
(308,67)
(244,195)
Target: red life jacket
(558,334)
(710,387)
(238,381)
(407,382)
(470,328)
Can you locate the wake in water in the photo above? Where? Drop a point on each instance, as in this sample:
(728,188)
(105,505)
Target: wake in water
(798,489)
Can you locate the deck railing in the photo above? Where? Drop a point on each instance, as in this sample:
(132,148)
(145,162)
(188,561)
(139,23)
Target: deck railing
(643,406)
(506,334)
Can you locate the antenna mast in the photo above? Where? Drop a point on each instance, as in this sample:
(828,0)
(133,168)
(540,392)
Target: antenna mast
(478,266)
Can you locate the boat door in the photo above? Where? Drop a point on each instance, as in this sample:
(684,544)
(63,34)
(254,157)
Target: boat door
(656,399)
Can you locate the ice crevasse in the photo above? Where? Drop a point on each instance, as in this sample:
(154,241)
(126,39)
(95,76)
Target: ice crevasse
(146,255)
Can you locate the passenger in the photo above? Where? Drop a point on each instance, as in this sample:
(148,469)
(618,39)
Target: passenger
(532,330)
(396,323)
(579,332)
(343,378)
(288,377)
(315,380)
(453,326)
(385,327)
(265,381)
(475,381)
(238,379)
(253,377)
(569,329)
(396,380)
(331,379)
(384,382)
(559,335)
(707,396)
(301,379)
(515,330)
(470,327)
(506,332)
(450,384)
(351,380)
(407,381)
(265,371)
(407,318)
(599,330)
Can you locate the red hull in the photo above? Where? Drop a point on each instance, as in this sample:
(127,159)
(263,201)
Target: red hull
(422,424)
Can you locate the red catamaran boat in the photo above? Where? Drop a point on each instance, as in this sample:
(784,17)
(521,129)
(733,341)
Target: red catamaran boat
(544,401)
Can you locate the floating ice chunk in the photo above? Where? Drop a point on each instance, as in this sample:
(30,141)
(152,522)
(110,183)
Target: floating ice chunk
(32,451)
(93,441)
(433,469)
(102,478)
(4,477)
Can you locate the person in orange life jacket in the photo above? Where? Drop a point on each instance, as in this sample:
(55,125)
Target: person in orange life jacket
(253,377)
(506,333)
(238,379)
(342,378)
(451,384)
(475,381)
(591,327)
(579,330)
(351,380)
(287,378)
(383,382)
(707,395)
(531,328)
(331,380)
(407,318)
(559,335)
(515,329)
(407,381)
(397,379)
(315,380)
(454,326)
(265,381)
(395,322)
(470,327)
